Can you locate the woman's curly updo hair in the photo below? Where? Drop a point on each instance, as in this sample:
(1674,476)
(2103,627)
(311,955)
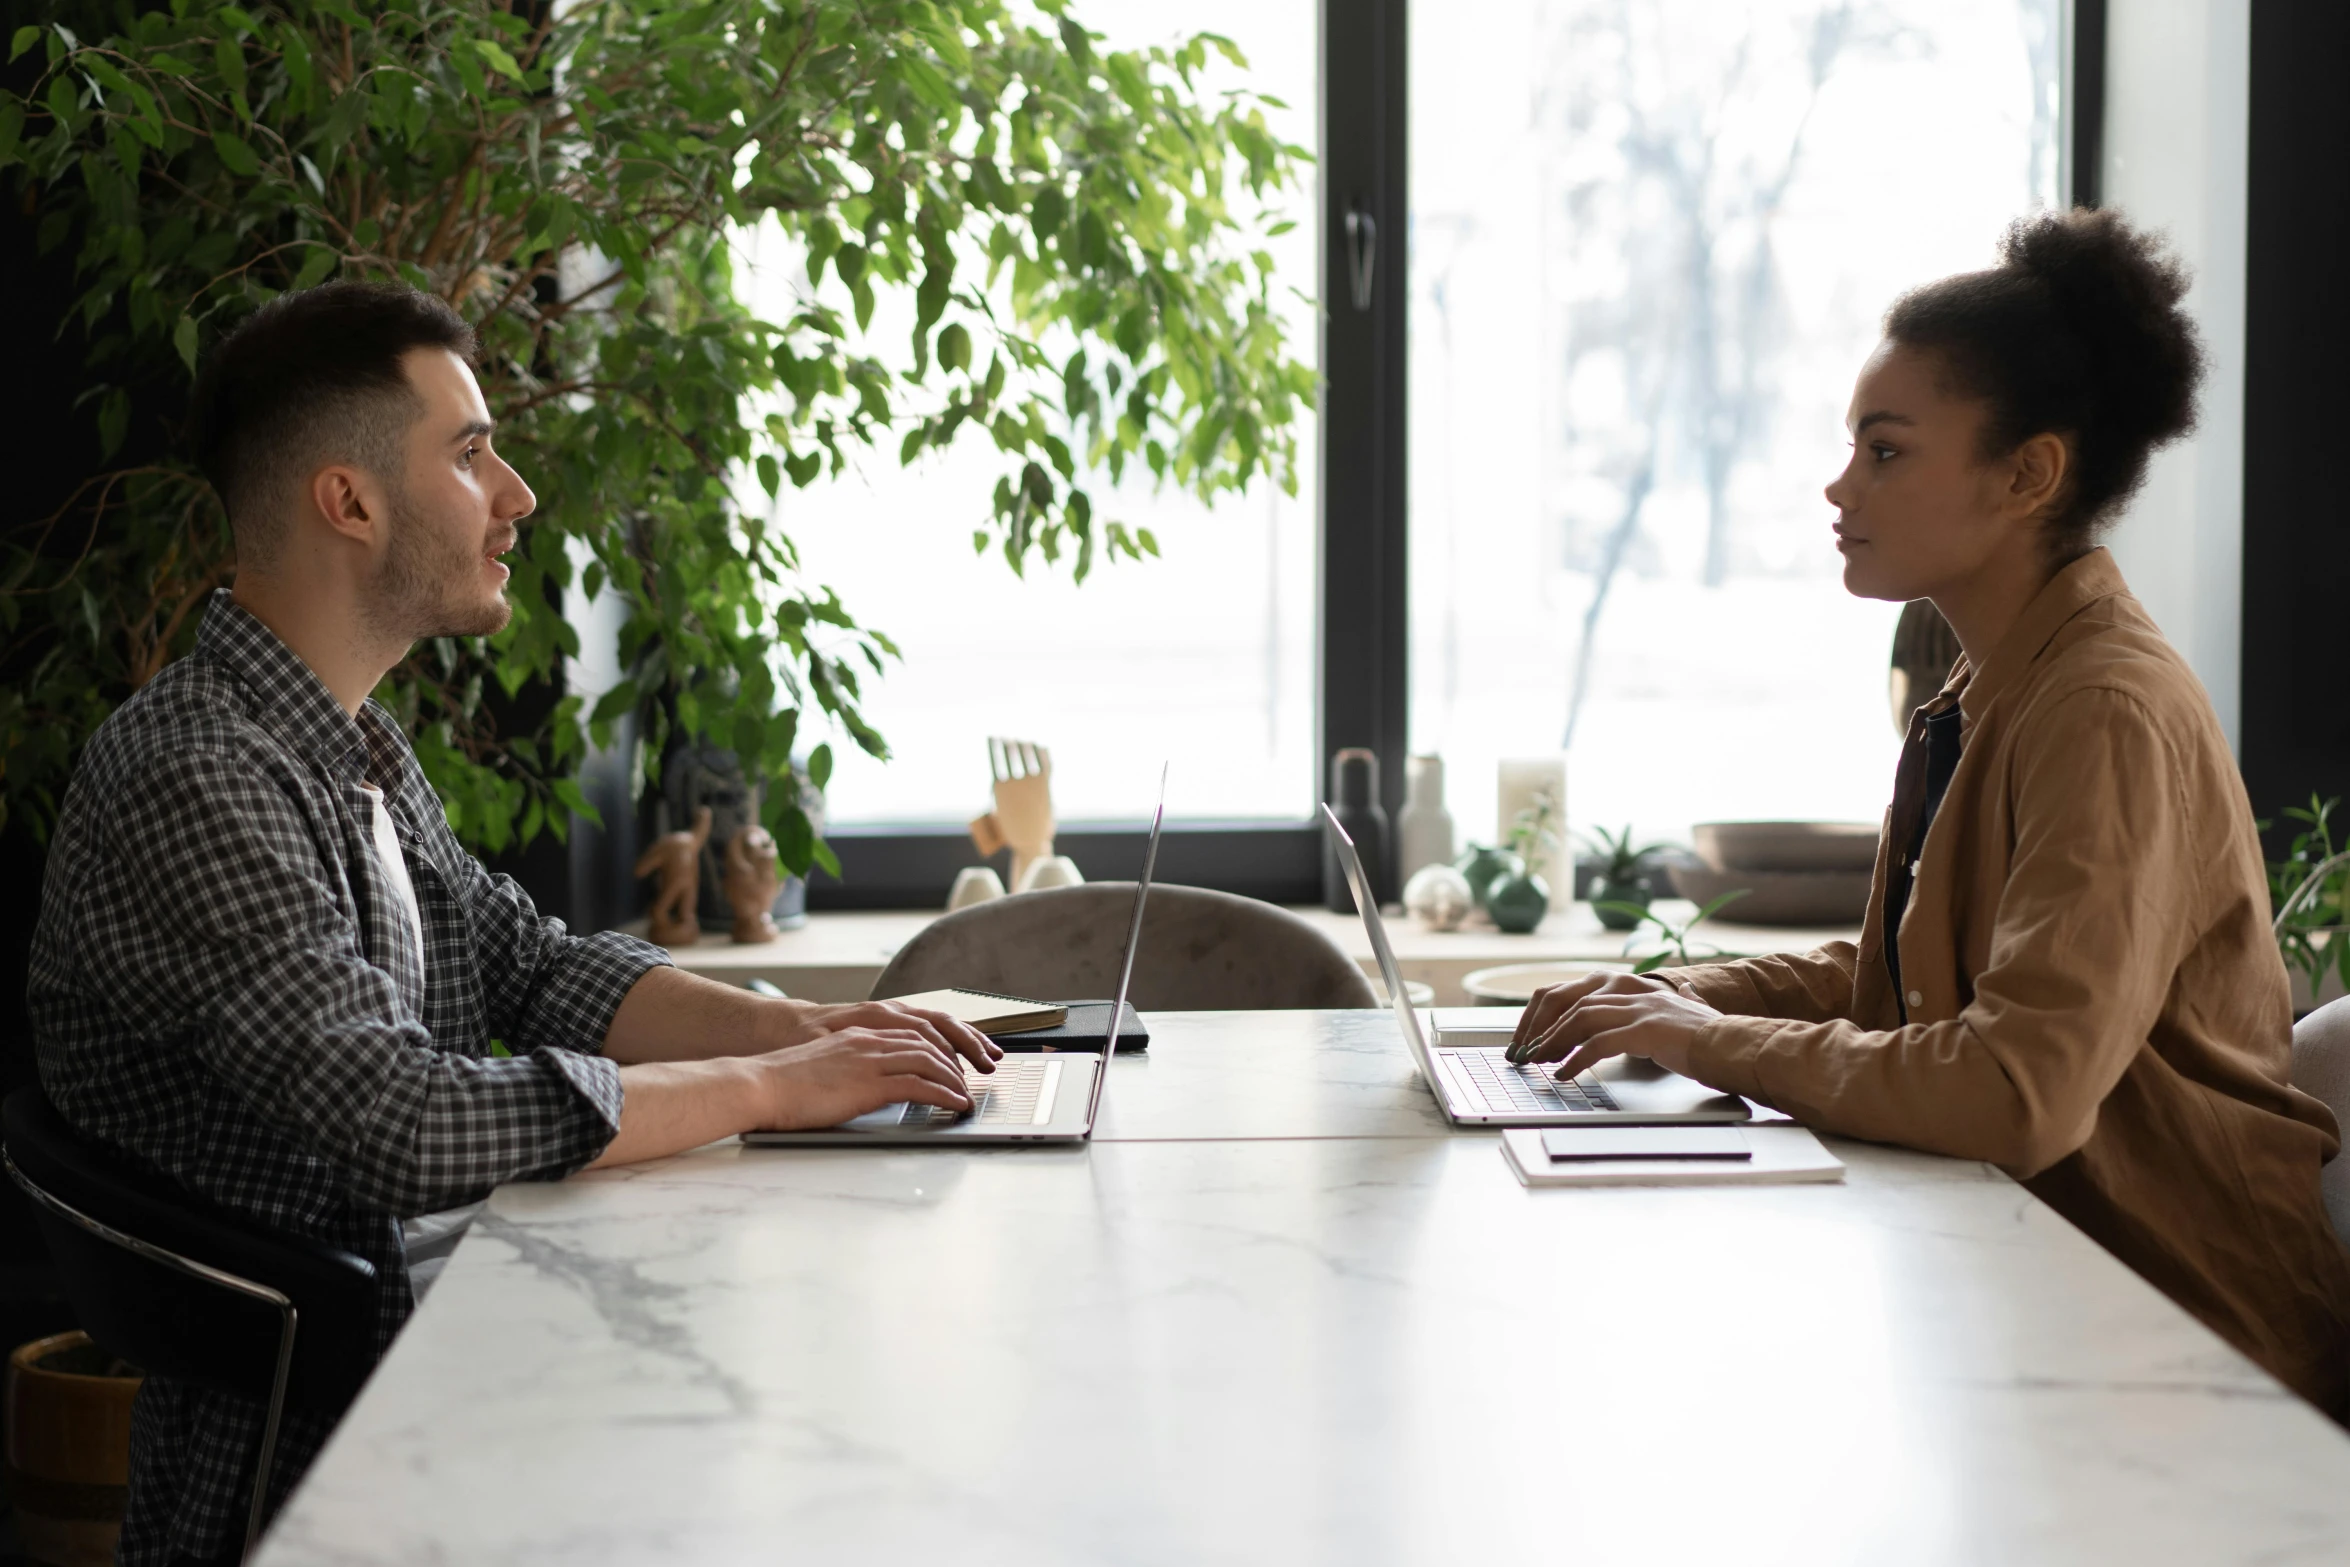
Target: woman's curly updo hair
(2077,332)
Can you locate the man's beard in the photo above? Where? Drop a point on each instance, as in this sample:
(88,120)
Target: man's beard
(421,589)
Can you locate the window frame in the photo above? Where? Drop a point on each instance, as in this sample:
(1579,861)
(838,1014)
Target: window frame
(1362,590)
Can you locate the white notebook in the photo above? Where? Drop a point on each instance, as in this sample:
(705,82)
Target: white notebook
(1780,1155)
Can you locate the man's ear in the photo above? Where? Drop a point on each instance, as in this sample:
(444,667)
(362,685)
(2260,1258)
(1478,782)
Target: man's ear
(350,501)
(2038,474)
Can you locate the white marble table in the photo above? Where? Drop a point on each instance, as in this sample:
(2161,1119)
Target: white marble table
(1287,1317)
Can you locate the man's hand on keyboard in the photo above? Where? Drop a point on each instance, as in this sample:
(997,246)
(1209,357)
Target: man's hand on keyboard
(839,1075)
(1587,1020)
(947,1033)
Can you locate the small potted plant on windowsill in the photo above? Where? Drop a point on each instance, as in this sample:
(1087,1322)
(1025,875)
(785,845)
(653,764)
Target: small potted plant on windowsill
(1517,900)
(2311,889)
(1673,951)
(1619,891)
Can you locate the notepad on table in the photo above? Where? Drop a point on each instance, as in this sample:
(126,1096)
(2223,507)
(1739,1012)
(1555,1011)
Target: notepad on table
(989,1012)
(1776,1156)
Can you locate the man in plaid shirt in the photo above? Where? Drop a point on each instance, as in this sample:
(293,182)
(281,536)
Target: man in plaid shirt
(266,968)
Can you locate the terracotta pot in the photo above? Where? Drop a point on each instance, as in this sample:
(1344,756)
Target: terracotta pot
(69,1448)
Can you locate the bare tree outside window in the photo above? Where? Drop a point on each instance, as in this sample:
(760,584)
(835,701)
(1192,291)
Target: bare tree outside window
(1652,239)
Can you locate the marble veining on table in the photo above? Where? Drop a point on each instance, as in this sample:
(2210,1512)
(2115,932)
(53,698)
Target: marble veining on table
(1350,1347)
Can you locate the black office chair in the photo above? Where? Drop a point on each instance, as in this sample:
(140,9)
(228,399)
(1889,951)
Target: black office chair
(186,1290)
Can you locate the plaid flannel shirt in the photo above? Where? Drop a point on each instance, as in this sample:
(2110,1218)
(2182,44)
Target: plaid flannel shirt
(225,987)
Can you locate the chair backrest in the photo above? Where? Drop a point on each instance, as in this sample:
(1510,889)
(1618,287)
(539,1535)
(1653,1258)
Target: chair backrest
(1201,951)
(168,1321)
(2321,1068)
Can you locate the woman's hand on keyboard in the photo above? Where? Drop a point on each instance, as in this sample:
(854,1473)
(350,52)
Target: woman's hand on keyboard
(1585,1021)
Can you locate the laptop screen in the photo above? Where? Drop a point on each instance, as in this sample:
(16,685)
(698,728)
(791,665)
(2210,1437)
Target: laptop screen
(1397,996)
(1142,887)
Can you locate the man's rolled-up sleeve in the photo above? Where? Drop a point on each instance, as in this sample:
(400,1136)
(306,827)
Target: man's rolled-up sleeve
(544,988)
(233,936)
(2090,926)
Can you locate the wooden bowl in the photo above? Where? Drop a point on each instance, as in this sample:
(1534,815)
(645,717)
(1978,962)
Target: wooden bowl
(1795,848)
(1815,898)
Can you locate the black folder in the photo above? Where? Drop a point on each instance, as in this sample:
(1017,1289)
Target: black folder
(1088,1025)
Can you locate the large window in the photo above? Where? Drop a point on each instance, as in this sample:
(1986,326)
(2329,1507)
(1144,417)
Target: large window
(1593,280)
(1651,244)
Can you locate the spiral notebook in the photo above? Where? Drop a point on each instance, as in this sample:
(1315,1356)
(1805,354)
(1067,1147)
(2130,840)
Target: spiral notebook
(988,1012)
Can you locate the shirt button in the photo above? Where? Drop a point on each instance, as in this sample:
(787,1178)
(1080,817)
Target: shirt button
(1916,1000)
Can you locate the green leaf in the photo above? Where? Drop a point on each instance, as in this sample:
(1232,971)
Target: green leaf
(498,58)
(927,84)
(11,130)
(315,266)
(228,58)
(24,39)
(114,420)
(820,766)
(183,338)
(954,347)
(1047,211)
(235,155)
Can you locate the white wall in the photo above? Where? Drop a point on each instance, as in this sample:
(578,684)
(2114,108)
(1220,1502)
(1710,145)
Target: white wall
(2177,94)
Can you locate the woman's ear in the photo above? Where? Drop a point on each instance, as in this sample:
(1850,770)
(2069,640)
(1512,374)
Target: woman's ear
(2039,471)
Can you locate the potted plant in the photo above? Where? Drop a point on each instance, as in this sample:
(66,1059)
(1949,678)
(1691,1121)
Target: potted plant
(1518,899)
(1674,951)
(1073,226)
(2310,888)
(1619,889)
(1483,864)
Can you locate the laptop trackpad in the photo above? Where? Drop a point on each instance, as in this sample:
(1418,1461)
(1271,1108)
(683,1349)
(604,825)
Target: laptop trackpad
(887,1118)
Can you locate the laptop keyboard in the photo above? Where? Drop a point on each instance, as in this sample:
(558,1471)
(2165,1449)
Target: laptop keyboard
(1503,1085)
(1009,1096)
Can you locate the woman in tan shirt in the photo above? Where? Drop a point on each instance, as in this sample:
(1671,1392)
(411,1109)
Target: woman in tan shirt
(2066,968)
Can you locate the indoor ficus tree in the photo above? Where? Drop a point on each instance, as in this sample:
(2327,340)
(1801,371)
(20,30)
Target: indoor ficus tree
(1088,296)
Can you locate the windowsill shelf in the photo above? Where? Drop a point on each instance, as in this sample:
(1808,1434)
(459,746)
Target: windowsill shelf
(838,955)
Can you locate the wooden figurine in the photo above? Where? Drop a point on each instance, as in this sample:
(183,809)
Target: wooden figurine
(750,884)
(1023,814)
(676,857)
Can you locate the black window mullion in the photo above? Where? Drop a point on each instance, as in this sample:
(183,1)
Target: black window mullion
(1365,597)
(2084,107)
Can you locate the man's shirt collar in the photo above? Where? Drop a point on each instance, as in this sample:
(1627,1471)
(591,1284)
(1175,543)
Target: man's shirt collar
(287,694)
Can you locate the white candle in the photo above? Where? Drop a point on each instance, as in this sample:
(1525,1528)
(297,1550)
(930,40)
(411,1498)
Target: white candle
(1521,780)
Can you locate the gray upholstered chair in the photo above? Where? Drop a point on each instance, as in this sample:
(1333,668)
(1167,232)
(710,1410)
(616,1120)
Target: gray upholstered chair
(2321,1068)
(1201,951)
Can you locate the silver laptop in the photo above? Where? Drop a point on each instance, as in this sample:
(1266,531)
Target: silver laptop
(1476,1084)
(1030,1097)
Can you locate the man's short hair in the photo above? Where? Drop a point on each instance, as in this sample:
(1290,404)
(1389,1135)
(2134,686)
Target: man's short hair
(312,377)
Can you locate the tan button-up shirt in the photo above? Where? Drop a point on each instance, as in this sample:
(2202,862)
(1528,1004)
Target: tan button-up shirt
(2095,1003)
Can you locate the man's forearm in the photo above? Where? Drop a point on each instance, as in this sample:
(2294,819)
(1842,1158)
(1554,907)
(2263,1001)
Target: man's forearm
(670,1106)
(670,1015)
